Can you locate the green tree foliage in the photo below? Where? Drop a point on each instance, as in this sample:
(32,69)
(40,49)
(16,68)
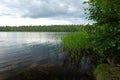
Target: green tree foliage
(106,36)
(107,43)
(105,11)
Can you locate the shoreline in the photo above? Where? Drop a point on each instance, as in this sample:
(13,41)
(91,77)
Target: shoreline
(50,72)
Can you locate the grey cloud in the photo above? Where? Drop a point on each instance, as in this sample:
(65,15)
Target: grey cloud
(60,9)
(45,8)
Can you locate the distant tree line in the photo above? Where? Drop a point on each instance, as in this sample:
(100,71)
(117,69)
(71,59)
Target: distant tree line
(51,28)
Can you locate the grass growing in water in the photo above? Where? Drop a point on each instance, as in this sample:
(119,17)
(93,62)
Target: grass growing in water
(74,42)
(95,41)
(78,45)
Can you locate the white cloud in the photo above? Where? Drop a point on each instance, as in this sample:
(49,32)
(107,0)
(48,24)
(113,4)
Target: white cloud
(29,21)
(42,12)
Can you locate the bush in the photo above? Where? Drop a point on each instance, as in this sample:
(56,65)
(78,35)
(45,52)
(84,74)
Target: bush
(107,72)
(106,40)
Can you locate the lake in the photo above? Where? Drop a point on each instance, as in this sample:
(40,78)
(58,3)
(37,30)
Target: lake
(19,50)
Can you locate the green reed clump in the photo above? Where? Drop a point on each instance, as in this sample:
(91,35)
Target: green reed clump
(77,45)
(74,42)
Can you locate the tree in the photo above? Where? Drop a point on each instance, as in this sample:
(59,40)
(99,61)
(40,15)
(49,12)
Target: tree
(106,13)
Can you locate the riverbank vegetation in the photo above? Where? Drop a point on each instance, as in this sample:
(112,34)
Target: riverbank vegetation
(95,43)
(100,41)
(52,28)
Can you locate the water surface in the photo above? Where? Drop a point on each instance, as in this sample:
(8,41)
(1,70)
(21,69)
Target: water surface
(18,50)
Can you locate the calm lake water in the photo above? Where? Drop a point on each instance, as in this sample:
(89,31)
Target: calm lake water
(20,50)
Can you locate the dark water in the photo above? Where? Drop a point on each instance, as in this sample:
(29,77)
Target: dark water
(18,50)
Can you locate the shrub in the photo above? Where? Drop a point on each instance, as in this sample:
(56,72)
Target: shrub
(106,40)
(107,72)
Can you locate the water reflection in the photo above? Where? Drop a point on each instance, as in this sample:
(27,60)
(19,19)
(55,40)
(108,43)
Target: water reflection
(29,37)
(18,50)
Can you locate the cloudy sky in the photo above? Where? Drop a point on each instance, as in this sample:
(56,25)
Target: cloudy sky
(42,12)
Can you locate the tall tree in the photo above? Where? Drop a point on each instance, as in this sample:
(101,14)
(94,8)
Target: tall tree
(107,15)
(105,11)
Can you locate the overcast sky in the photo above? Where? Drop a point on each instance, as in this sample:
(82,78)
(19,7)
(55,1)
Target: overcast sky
(42,12)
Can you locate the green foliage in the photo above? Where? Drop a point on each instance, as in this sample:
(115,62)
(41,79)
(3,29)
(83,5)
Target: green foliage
(79,44)
(107,72)
(101,42)
(54,28)
(102,38)
(76,41)
(106,36)
(104,11)
(106,40)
